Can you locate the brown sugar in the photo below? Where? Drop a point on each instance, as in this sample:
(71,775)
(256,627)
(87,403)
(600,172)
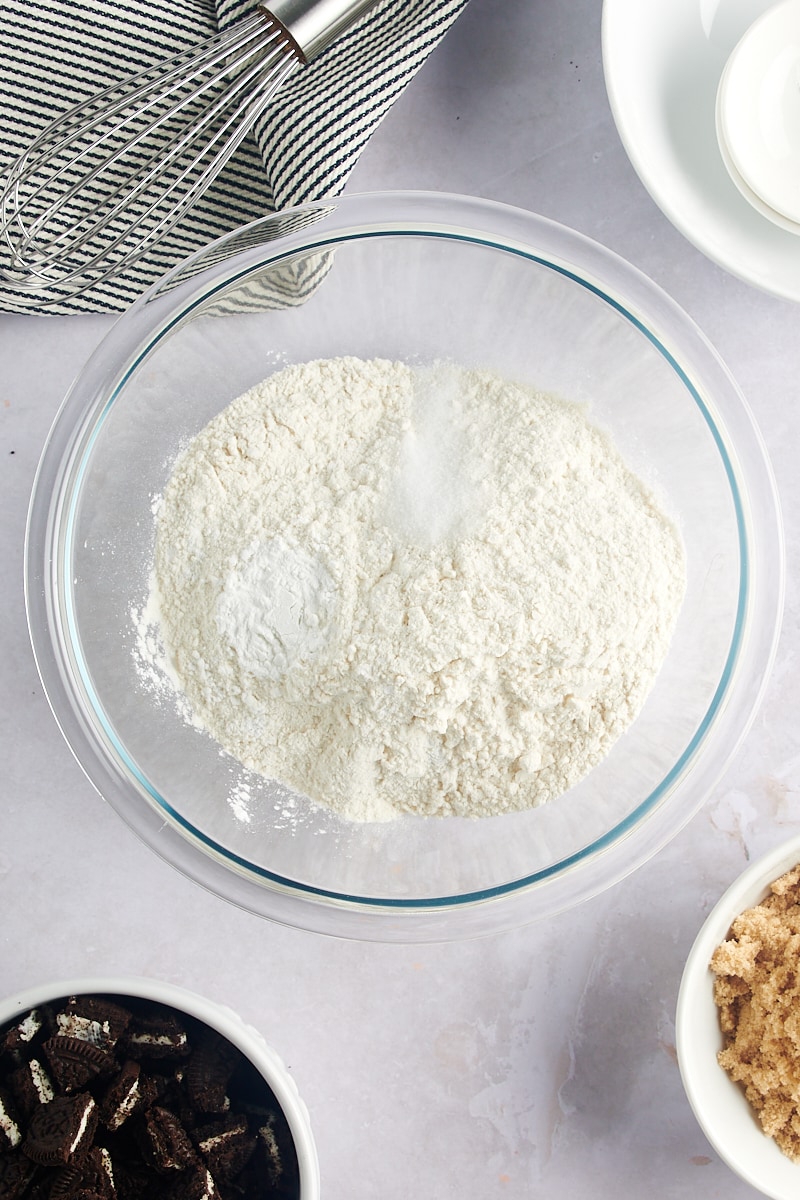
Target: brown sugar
(757,991)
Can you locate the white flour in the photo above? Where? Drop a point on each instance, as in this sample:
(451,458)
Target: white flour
(425,591)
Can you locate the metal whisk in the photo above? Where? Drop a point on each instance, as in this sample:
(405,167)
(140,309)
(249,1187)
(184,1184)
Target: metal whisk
(102,184)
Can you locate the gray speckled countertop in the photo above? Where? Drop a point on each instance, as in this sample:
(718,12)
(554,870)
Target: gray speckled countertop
(537,1063)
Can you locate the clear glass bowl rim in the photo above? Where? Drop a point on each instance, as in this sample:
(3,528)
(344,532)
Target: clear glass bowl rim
(673,334)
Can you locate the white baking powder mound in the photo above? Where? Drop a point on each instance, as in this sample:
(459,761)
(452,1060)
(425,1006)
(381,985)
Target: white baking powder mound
(406,590)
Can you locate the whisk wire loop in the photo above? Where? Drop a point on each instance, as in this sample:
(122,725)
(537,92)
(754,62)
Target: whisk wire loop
(105,182)
(239,123)
(108,180)
(234,126)
(146,89)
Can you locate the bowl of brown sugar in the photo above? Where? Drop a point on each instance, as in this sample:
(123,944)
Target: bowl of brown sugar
(738,1024)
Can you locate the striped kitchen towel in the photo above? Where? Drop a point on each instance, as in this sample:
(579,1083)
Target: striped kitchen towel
(56,53)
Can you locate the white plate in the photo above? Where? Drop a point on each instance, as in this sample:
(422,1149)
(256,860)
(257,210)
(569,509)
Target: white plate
(663,61)
(719,1104)
(743,186)
(758,109)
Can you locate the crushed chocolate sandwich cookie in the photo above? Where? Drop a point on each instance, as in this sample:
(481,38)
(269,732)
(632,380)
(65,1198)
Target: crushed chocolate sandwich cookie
(61,1131)
(130,1092)
(91,1019)
(91,1175)
(31,1086)
(74,1061)
(158,1034)
(209,1073)
(10,1135)
(16,1172)
(166,1143)
(120,1098)
(226,1145)
(16,1036)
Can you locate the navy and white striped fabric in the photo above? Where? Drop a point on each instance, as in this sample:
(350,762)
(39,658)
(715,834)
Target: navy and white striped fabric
(55,53)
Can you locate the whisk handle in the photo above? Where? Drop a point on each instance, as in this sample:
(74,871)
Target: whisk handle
(314,24)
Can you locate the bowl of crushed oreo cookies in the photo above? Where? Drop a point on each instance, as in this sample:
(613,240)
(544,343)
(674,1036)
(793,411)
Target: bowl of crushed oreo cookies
(404,567)
(119,1089)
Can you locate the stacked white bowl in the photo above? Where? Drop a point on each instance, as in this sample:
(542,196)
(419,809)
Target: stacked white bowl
(758,115)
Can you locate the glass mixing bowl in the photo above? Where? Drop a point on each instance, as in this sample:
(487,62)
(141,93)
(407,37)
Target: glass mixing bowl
(416,277)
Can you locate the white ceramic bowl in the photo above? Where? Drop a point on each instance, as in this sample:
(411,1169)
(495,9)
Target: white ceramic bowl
(220,1018)
(663,61)
(758,115)
(719,1104)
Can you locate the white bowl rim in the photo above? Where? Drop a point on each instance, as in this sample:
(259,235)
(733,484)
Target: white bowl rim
(644,62)
(758,202)
(224,1020)
(770,177)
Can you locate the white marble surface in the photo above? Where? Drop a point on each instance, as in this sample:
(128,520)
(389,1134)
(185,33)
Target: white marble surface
(538,1063)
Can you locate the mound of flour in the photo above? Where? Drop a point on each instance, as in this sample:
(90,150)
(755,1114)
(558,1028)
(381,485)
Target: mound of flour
(412,590)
